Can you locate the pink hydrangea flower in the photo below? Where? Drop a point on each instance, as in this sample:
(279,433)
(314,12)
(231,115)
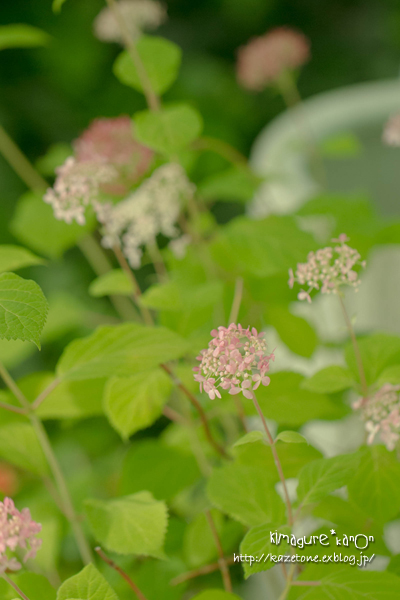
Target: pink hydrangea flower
(17,530)
(236,360)
(263,60)
(328,269)
(110,141)
(391,131)
(381,414)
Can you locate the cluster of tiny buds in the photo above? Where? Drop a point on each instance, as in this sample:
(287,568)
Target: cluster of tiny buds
(266,58)
(152,209)
(76,187)
(328,269)
(17,530)
(138,15)
(236,360)
(381,414)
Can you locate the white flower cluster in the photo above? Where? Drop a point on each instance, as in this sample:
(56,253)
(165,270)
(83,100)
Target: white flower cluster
(76,187)
(138,15)
(151,209)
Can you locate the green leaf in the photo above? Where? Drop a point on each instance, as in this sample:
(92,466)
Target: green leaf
(321,477)
(351,519)
(246,494)
(215,595)
(235,183)
(15,257)
(113,282)
(57,5)
(34,224)
(35,586)
(342,145)
(134,524)
(19,446)
(351,584)
(249,438)
(286,402)
(23,309)
(353,214)
(55,156)
(257,543)
(261,248)
(161,470)
(378,351)
(178,296)
(121,350)
(161,59)
(375,486)
(168,130)
(20,35)
(390,375)
(260,455)
(291,437)
(69,400)
(329,380)
(295,332)
(89,584)
(198,543)
(134,403)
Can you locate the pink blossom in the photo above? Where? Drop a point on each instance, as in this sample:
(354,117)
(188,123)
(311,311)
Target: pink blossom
(264,59)
(391,132)
(381,414)
(328,269)
(235,360)
(110,141)
(17,530)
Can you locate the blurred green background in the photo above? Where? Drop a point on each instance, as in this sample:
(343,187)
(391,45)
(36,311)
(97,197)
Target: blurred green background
(49,95)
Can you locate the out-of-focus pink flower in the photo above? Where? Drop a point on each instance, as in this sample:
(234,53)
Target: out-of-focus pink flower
(236,360)
(328,269)
(381,414)
(263,60)
(8,479)
(17,530)
(110,141)
(391,131)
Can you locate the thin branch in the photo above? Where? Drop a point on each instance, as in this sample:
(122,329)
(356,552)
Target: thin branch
(14,409)
(14,585)
(237,300)
(124,575)
(46,392)
(158,262)
(222,562)
(44,441)
(144,311)
(356,348)
(229,560)
(199,408)
(276,460)
(289,582)
(21,165)
(98,260)
(151,97)
(308,583)
(222,148)
(173,415)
